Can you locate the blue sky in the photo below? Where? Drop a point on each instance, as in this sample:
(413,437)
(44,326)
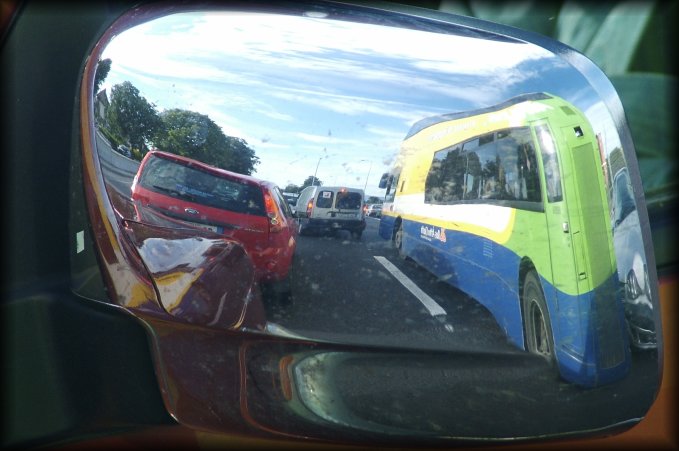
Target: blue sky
(307,92)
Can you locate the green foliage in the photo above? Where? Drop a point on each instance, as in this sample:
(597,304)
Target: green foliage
(112,140)
(310,181)
(103,68)
(132,119)
(292,188)
(242,159)
(131,116)
(196,136)
(188,133)
(137,154)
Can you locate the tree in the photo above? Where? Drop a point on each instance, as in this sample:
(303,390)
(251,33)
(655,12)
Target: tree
(292,188)
(310,181)
(100,75)
(196,136)
(242,159)
(131,116)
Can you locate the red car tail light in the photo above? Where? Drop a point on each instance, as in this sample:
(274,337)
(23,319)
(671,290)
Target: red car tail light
(273,213)
(309,208)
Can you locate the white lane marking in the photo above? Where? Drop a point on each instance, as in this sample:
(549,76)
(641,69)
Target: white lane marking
(430,304)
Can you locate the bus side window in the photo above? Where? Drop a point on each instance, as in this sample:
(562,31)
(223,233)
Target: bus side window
(518,165)
(550,161)
(433,185)
(384,180)
(473,176)
(391,182)
(479,151)
(532,174)
(491,171)
(445,179)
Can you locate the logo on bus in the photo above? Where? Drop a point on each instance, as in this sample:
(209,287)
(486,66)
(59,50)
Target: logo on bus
(433,233)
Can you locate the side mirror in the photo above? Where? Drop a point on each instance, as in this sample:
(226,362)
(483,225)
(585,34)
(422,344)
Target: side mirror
(491,275)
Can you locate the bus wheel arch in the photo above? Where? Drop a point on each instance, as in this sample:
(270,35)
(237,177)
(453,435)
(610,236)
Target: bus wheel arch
(537,327)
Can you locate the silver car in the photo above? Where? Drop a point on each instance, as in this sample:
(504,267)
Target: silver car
(374,210)
(632,267)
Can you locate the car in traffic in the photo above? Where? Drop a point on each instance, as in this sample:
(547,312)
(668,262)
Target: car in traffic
(374,210)
(248,210)
(632,266)
(327,209)
(291,199)
(124,150)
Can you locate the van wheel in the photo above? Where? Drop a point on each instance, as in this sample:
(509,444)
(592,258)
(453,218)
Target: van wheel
(398,241)
(536,322)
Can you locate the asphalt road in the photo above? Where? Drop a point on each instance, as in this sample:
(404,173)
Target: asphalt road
(119,171)
(347,289)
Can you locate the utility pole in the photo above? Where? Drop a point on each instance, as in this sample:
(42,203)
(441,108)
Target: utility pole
(313,182)
(366,178)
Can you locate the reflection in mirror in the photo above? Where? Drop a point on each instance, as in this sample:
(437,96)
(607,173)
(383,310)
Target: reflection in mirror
(245,152)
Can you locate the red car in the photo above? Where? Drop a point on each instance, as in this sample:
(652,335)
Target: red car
(169,188)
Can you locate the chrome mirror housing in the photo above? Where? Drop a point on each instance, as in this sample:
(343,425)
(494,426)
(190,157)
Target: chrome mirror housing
(510,263)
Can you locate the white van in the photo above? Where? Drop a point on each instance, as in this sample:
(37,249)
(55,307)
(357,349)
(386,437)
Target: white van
(325,209)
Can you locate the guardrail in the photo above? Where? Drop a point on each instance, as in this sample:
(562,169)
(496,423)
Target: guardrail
(112,161)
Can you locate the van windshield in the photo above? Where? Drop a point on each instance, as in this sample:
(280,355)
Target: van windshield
(180,181)
(348,200)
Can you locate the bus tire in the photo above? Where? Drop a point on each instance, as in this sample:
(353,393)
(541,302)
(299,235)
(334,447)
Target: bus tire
(536,323)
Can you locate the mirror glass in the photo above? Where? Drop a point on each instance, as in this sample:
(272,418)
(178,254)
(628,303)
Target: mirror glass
(404,185)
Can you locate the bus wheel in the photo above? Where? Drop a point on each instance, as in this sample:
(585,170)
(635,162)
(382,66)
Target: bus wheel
(538,328)
(398,241)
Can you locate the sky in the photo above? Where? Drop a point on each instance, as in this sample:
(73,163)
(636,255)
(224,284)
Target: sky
(315,95)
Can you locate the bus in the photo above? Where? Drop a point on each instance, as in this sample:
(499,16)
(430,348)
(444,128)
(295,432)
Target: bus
(509,205)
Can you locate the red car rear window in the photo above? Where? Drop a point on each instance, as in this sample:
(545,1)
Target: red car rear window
(177,180)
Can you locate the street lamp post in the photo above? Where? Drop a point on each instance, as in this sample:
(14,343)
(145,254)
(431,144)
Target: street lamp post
(368,176)
(313,182)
